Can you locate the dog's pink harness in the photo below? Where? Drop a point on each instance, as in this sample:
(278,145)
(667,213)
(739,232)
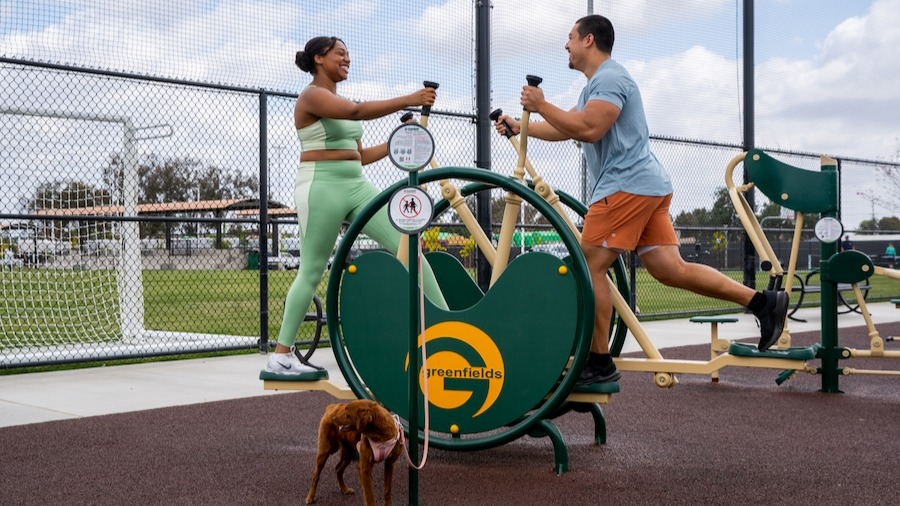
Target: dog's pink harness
(381,449)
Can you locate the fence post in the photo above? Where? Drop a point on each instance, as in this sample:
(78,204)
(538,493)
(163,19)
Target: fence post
(263,223)
(830,353)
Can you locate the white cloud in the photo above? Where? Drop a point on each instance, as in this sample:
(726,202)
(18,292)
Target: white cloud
(842,101)
(690,95)
(645,16)
(219,44)
(845,100)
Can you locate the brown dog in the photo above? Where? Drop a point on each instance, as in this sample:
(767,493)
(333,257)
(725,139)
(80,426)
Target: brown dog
(377,436)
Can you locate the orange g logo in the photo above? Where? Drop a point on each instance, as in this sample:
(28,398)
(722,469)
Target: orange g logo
(448,366)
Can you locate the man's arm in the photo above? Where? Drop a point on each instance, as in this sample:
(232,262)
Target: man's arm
(536,129)
(587,125)
(546,131)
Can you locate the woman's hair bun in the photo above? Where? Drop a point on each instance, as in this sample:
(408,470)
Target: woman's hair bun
(302,61)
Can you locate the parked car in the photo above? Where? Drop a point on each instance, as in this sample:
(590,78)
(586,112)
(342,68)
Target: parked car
(284,261)
(10,260)
(556,249)
(354,252)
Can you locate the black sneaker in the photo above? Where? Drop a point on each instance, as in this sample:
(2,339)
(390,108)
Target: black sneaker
(594,374)
(771,317)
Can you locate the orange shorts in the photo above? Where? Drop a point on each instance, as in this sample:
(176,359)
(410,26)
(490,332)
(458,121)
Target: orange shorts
(624,221)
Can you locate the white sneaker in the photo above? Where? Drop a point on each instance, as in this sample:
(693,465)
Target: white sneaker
(288,366)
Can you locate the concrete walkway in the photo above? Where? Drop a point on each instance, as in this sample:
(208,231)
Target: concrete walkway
(60,395)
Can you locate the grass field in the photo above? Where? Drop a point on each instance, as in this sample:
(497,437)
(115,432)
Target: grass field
(215,302)
(53,306)
(656,300)
(227,302)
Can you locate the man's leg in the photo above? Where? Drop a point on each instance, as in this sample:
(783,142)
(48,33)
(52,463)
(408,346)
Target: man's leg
(612,225)
(599,367)
(666,265)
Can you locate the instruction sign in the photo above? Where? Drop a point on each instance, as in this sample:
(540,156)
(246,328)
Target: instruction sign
(411,147)
(829,230)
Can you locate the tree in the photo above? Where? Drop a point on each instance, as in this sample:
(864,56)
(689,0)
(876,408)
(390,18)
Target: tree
(431,239)
(698,217)
(770,218)
(888,192)
(722,213)
(466,252)
(65,195)
(889,187)
(695,226)
(178,180)
(889,224)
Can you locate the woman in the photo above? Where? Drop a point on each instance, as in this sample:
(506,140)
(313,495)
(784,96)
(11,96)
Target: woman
(330,187)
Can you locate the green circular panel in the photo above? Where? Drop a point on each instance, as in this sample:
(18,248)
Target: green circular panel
(487,365)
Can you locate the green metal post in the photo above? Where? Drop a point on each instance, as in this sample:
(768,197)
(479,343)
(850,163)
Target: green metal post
(830,353)
(413,439)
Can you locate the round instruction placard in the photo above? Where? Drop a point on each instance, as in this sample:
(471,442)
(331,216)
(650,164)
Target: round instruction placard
(410,210)
(411,147)
(828,229)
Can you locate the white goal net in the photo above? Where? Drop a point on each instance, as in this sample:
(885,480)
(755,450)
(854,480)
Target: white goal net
(68,277)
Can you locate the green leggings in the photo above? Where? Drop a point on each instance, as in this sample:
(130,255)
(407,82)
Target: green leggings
(326,194)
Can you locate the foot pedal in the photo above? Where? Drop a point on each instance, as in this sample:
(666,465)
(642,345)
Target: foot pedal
(306,376)
(750,350)
(785,375)
(609,387)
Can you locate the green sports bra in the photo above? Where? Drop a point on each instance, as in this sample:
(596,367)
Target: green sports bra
(327,133)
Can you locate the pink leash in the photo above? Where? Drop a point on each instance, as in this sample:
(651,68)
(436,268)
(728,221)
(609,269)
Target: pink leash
(425,382)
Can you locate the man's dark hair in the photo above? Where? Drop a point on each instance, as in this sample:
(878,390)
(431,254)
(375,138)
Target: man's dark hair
(601,28)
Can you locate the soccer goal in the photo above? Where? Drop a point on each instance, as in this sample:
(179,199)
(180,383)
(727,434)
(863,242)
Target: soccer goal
(75,291)
(79,280)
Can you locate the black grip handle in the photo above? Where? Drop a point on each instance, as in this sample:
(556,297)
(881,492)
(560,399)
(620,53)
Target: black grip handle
(495,115)
(406,117)
(426,109)
(534,80)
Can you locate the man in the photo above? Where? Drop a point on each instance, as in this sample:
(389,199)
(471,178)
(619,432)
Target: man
(630,192)
(847,245)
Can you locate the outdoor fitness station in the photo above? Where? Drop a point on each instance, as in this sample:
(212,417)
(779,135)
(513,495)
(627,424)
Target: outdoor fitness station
(501,364)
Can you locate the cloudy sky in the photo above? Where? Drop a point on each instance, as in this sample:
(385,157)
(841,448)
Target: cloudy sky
(826,72)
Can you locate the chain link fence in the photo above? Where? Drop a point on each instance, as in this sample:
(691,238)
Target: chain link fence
(134,178)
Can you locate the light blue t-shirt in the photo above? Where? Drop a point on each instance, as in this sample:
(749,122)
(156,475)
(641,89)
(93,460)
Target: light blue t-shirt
(621,160)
